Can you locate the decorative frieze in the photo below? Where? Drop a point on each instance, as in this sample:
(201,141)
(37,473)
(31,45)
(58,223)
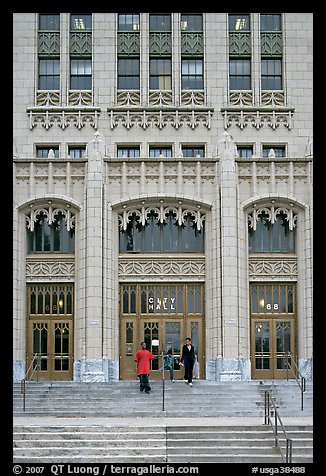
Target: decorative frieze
(257,118)
(275,268)
(63,117)
(161,268)
(160,118)
(50,269)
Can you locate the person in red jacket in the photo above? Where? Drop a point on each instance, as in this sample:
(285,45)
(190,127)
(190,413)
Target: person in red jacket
(143,358)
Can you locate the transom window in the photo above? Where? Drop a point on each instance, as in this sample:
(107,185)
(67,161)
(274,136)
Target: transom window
(81,21)
(239,22)
(166,237)
(272,298)
(191,22)
(51,300)
(49,21)
(128,22)
(160,22)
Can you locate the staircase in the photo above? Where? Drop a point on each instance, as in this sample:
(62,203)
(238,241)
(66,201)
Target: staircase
(114,422)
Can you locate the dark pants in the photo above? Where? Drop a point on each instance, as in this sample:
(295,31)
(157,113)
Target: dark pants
(144,382)
(189,367)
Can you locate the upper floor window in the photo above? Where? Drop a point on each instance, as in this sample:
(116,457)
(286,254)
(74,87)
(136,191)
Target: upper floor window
(273,151)
(160,74)
(166,237)
(49,74)
(240,73)
(81,74)
(49,21)
(160,22)
(193,151)
(128,22)
(191,22)
(52,238)
(128,73)
(43,152)
(192,74)
(272,238)
(160,151)
(76,152)
(271,74)
(270,22)
(133,152)
(245,151)
(239,22)
(80,21)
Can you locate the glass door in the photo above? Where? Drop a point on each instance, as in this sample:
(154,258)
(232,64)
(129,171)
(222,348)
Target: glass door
(272,339)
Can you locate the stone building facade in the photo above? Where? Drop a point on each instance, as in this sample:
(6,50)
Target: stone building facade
(162,168)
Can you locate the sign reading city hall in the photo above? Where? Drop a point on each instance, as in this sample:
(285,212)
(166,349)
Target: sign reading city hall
(161,305)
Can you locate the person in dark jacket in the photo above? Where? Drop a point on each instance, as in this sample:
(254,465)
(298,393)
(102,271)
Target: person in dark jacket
(188,360)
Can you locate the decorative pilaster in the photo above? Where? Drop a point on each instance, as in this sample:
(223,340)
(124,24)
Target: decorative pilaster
(93,368)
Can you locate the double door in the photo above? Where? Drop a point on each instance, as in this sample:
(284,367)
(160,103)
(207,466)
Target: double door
(273,345)
(160,336)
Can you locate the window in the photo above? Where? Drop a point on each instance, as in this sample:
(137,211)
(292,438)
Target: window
(49,21)
(270,22)
(192,74)
(49,74)
(160,74)
(270,150)
(271,74)
(193,151)
(128,22)
(160,151)
(81,74)
(272,238)
(43,152)
(133,152)
(81,21)
(128,73)
(166,237)
(239,22)
(159,22)
(52,238)
(191,22)
(76,152)
(245,151)
(240,74)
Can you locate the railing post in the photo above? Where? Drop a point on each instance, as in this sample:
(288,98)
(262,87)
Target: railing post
(23,390)
(163,384)
(275,423)
(266,405)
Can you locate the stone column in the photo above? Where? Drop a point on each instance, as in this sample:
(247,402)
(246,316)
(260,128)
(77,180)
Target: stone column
(229,370)
(93,368)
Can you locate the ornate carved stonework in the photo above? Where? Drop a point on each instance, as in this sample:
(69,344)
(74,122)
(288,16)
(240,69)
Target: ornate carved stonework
(62,117)
(161,268)
(271,213)
(284,268)
(176,118)
(50,269)
(50,214)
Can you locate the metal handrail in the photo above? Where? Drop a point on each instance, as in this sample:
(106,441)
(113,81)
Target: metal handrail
(25,381)
(267,419)
(302,381)
(163,384)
